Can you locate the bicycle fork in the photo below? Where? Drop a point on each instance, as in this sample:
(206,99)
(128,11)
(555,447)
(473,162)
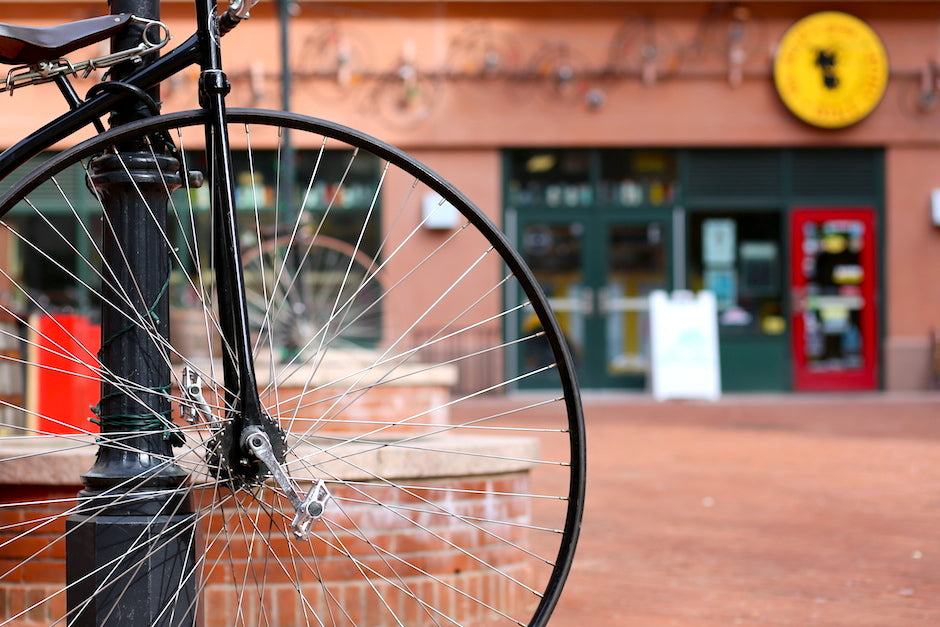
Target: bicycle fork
(250,444)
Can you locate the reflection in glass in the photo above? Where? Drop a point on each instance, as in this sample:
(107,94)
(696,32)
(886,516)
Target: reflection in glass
(554,253)
(552,178)
(634,178)
(636,267)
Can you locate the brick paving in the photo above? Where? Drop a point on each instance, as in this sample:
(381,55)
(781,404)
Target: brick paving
(801,510)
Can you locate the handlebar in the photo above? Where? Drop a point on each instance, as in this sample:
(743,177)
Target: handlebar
(236,12)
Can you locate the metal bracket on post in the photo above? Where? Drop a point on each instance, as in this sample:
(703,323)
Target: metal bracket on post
(213,83)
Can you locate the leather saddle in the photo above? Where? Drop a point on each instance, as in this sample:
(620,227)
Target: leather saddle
(25,45)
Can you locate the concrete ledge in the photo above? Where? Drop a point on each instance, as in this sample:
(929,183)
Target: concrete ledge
(347,367)
(437,456)
(48,461)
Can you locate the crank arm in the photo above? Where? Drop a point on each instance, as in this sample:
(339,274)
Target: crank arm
(307,510)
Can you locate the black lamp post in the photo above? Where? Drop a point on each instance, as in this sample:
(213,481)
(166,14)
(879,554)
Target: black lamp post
(130,546)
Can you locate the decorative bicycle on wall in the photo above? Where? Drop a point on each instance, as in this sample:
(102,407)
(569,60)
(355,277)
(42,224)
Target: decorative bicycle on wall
(296,458)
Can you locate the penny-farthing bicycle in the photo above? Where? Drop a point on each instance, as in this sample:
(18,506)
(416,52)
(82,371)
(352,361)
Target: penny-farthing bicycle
(332,437)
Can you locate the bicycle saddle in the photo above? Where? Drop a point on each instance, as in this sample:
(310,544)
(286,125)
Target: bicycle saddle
(29,44)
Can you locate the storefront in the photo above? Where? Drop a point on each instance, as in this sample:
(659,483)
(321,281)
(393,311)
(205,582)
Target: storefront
(786,239)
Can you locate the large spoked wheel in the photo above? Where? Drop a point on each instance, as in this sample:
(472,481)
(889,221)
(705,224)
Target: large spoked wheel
(392,325)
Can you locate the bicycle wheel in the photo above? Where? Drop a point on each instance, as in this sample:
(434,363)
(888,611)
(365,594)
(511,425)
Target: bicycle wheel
(316,272)
(387,352)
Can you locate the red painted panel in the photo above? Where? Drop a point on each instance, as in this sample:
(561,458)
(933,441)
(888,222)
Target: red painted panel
(65,382)
(834,287)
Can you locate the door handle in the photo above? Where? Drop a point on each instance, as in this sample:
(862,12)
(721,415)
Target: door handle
(588,301)
(607,303)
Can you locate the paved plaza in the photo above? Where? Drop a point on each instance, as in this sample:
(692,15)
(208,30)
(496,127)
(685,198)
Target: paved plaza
(796,510)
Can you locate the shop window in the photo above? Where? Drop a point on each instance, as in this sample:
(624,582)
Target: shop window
(332,205)
(739,257)
(581,178)
(337,201)
(637,178)
(550,178)
(56,277)
(337,204)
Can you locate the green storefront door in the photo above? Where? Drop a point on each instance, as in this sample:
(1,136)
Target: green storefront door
(598,266)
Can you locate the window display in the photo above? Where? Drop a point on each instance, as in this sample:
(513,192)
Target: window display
(736,255)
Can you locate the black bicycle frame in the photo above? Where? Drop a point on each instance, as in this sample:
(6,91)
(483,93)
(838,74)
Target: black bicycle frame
(240,379)
(116,528)
(93,109)
(203,49)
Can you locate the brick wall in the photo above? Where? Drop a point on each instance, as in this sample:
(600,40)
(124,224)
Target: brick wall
(23,586)
(390,410)
(399,551)
(370,561)
(377,548)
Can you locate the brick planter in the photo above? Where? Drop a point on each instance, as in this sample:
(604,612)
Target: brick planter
(392,561)
(379,545)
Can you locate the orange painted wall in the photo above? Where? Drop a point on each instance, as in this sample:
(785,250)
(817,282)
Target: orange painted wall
(912,245)
(692,102)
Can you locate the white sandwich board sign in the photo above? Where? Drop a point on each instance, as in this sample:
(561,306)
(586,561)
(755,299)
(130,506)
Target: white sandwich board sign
(684,345)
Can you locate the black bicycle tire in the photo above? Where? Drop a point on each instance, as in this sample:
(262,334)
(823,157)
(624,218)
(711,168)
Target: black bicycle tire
(512,259)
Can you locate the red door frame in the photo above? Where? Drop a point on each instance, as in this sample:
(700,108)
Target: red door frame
(865,377)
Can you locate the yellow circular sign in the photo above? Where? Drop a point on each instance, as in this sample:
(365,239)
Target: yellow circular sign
(831,69)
